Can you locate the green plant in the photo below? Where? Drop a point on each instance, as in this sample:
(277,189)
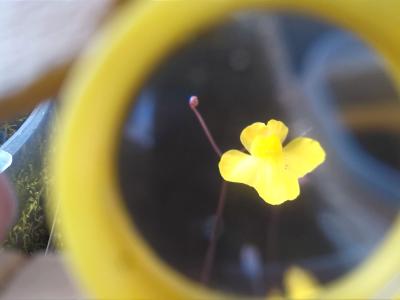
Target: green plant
(30,233)
(7,129)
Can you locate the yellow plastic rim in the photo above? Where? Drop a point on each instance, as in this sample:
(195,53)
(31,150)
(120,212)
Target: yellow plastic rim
(106,250)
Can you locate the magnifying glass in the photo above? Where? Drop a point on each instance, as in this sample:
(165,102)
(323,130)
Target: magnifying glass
(133,181)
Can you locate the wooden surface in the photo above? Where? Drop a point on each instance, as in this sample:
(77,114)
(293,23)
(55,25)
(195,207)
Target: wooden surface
(38,277)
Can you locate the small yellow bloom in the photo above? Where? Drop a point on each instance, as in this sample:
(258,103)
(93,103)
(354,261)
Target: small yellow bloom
(271,169)
(300,284)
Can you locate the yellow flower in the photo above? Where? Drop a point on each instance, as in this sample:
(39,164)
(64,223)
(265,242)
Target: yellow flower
(270,168)
(300,284)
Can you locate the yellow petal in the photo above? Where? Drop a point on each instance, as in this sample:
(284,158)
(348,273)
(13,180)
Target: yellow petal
(277,128)
(236,166)
(302,155)
(300,284)
(251,132)
(273,184)
(276,185)
(273,127)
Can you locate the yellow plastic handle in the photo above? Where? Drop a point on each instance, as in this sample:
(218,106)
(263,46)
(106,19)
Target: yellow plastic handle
(106,249)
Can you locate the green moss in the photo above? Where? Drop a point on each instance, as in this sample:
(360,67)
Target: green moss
(7,129)
(31,233)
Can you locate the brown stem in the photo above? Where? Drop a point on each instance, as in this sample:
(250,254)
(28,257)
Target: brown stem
(210,254)
(193,103)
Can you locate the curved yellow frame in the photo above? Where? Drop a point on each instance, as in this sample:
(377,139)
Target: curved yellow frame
(105,248)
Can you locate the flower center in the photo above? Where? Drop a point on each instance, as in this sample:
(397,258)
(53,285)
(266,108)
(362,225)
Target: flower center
(266,146)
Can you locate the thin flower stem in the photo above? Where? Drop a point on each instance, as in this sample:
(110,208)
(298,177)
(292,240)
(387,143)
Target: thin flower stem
(210,254)
(209,259)
(193,103)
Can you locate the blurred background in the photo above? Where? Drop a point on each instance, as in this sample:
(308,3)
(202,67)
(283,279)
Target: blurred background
(321,80)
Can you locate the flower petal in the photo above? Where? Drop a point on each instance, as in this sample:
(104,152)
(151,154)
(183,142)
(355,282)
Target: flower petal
(273,127)
(236,166)
(249,134)
(302,155)
(273,184)
(277,128)
(277,186)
